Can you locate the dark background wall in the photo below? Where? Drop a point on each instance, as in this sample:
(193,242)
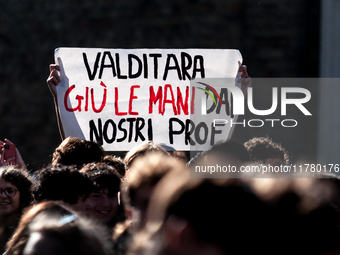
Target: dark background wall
(276,39)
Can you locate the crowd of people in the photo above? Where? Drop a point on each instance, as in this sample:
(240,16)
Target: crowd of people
(87,202)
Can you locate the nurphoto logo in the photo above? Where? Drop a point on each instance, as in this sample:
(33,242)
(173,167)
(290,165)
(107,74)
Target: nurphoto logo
(220,94)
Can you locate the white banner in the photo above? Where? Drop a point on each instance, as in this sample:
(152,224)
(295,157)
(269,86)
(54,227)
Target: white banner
(122,97)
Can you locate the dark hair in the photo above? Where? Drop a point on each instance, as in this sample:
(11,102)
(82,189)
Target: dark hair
(116,162)
(268,210)
(76,151)
(64,183)
(102,176)
(21,180)
(262,148)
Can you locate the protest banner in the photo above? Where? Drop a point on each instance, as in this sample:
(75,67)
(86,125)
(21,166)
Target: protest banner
(122,97)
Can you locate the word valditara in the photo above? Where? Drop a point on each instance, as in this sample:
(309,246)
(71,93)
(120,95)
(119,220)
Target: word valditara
(185,65)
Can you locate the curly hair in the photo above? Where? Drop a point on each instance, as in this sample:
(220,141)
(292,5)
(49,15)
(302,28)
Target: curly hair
(116,162)
(64,183)
(103,176)
(21,180)
(262,148)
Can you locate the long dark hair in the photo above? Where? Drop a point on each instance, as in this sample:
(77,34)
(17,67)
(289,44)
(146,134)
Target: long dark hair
(21,180)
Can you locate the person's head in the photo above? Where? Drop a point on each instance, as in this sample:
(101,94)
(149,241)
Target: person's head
(238,216)
(177,154)
(103,202)
(140,150)
(16,244)
(50,228)
(15,188)
(302,208)
(332,179)
(180,155)
(116,162)
(63,183)
(145,172)
(264,150)
(76,151)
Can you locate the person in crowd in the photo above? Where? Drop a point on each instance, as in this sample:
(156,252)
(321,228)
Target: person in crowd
(177,154)
(331,179)
(122,237)
(76,151)
(15,196)
(140,150)
(116,162)
(16,244)
(51,228)
(180,155)
(103,203)
(238,216)
(65,184)
(15,159)
(264,150)
(145,172)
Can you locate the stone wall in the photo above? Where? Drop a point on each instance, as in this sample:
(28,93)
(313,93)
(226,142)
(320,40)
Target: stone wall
(276,39)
